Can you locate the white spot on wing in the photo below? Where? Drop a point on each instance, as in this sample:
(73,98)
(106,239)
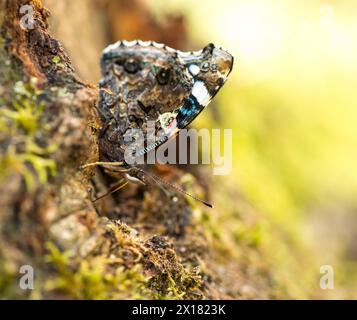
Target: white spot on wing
(199,91)
(197,53)
(112,47)
(129,43)
(144,43)
(183,54)
(158,45)
(194,69)
(170,49)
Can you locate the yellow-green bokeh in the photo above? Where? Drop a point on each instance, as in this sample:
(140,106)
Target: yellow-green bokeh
(292,104)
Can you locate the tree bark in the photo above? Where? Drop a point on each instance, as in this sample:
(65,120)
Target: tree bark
(49,128)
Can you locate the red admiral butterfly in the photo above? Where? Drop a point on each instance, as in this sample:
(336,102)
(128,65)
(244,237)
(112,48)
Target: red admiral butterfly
(148,81)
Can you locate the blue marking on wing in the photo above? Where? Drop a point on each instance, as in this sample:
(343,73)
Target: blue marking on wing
(188,112)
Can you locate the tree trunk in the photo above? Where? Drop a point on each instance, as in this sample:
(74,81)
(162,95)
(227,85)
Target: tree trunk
(49,129)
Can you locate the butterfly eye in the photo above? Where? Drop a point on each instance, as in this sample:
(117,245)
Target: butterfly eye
(214,67)
(194,69)
(205,66)
(131,66)
(163,76)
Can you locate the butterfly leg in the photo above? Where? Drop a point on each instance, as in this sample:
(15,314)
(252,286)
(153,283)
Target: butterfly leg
(114,188)
(103,163)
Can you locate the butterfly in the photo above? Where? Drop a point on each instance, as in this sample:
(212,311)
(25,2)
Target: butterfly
(146,82)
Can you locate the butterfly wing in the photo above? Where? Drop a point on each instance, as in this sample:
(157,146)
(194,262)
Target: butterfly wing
(155,83)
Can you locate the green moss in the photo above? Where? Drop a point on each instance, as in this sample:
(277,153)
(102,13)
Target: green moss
(20,127)
(57,62)
(7,278)
(183,285)
(172,280)
(252,236)
(123,267)
(167,278)
(91,278)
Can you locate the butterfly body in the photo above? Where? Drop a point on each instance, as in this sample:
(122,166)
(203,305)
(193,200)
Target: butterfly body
(147,81)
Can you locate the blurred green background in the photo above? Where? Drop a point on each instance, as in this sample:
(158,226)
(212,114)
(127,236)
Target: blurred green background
(292,104)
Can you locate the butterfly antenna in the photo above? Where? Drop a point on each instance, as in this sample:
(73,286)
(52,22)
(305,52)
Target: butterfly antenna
(177,188)
(157,179)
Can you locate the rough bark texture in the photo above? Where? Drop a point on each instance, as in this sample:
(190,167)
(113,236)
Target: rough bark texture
(135,244)
(48,124)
